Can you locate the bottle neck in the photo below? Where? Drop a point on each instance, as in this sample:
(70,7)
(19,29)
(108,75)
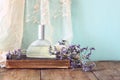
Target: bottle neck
(41,31)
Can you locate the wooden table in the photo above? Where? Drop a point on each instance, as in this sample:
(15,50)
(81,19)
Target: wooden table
(103,71)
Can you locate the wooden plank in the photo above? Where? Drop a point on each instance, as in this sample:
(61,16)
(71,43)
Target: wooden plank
(103,75)
(103,71)
(108,74)
(43,63)
(107,71)
(107,64)
(63,74)
(20,74)
(91,76)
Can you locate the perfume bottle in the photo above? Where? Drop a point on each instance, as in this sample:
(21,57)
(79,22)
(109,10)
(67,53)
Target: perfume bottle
(40,47)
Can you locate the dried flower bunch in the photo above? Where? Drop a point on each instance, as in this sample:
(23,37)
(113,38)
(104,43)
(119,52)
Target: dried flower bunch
(79,57)
(15,54)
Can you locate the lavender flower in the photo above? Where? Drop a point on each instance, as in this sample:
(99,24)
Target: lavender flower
(83,49)
(89,67)
(78,56)
(92,48)
(8,55)
(15,54)
(88,55)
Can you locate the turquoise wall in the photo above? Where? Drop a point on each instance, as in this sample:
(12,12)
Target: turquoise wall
(96,23)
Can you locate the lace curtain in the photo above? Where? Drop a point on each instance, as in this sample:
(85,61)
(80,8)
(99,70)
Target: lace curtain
(11,25)
(54,14)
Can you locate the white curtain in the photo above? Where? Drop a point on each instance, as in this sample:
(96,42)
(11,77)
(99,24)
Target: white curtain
(11,24)
(56,15)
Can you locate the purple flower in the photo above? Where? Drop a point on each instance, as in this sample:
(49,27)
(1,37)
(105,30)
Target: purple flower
(15,52)
(89,67)
(92,48)
(64,50)
(75,54)
(78,46)
(83,49)
(88,55)
(8,55)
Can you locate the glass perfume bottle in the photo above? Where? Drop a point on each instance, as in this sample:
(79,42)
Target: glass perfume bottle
(40,47)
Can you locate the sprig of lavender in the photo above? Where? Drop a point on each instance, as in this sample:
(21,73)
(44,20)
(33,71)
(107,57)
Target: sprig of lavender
(79,57)
(17,53)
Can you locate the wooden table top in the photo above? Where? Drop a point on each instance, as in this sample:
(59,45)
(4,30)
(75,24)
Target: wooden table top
(103,71)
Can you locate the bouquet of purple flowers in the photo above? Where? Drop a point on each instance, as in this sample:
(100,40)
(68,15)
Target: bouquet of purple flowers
(79,57)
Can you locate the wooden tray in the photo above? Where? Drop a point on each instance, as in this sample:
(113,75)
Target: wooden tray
(37,63)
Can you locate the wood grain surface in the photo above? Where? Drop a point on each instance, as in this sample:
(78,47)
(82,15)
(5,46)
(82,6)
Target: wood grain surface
(40,63)
(103,71)
(63,74)
(107,71)
(20,74)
